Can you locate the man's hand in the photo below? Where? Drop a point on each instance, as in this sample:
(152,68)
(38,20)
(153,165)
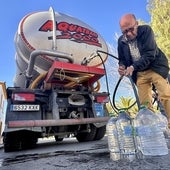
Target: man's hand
(129,71)
(121,70)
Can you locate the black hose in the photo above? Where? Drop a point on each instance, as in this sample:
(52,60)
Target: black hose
(135,92)
(99,51)
(114,93)
(107,86)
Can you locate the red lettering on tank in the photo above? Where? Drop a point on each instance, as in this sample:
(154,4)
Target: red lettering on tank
(77,36)
(65,35)
(47,26)
(72,32)
(63,26)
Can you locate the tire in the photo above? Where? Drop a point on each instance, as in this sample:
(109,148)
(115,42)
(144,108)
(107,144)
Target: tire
(19,140)
(87,136)
(29,143)
(100,133)
(11,142)
(57,139)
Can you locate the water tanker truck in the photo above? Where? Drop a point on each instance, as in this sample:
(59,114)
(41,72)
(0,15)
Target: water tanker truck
(56,89)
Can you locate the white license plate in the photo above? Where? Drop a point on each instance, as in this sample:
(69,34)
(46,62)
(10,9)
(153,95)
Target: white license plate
(23,107)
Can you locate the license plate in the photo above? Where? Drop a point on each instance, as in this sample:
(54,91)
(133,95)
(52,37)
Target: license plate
(19,107)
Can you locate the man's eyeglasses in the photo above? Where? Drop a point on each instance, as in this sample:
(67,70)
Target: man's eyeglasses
(131,29)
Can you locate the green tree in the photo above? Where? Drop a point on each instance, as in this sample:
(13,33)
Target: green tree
(127,103)
(111,110)
(160,22)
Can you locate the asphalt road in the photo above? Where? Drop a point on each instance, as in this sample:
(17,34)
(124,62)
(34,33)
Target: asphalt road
(71,155)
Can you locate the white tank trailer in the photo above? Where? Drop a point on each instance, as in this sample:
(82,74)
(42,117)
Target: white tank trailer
(57,82)
(71,38)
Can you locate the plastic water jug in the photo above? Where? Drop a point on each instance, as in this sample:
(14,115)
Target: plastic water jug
(112,136)
(150,138)
(126,136)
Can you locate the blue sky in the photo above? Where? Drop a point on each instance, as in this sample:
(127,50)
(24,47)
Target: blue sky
(101,15)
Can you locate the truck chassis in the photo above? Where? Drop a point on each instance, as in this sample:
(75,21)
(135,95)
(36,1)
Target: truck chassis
(62,102)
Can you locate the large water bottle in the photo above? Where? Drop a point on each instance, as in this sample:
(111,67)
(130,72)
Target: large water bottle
(112,136)
(151,141)
(126,136)
(162,122)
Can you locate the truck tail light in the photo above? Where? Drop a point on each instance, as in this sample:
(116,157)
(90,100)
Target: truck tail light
(102,99)
(30,97)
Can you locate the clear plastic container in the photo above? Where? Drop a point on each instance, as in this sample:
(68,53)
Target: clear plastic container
(126,136)
(112,136)
(150,137)
(162,121)
(163,124)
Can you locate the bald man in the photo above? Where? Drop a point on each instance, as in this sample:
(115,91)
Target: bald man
(140,57)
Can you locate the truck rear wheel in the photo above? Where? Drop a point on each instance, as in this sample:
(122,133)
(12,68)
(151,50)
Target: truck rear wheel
(100,133)
(29,140)
(87,136)
(14,141)
(11,142)
(57,139)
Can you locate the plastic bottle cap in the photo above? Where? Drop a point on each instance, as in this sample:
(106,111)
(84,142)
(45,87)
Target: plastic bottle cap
(121,110)
(142,107)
